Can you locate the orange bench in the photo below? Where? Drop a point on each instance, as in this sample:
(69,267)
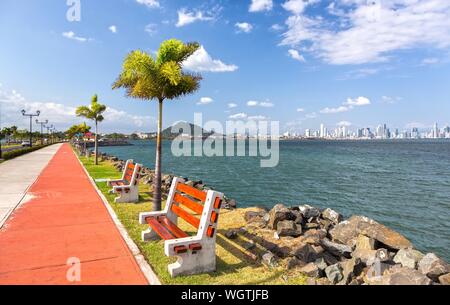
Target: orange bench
(127,188)
(196,254)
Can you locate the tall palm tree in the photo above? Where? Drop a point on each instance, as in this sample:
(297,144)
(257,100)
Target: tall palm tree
(94,112)
(160,78)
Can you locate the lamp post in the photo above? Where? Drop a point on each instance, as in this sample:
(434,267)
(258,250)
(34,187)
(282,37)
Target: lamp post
(31,124)
(42,129)
(48,130)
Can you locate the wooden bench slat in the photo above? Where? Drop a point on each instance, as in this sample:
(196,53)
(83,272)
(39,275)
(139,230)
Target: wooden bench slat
(159,229)
(176,231)
(191,191)
(194,221)
(197,208)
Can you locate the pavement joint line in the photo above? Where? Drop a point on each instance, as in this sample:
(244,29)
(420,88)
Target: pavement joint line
(146,269)
(3,221)
(63,265)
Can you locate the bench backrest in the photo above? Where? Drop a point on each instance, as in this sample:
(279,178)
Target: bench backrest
(131,173)
(198,208)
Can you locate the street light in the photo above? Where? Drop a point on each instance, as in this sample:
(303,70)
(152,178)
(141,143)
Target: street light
(42,129)
(24,113)
(48,129)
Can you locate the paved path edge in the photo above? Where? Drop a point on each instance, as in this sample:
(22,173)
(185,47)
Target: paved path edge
(146,269)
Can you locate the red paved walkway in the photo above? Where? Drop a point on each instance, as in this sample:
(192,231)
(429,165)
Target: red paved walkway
(65,219)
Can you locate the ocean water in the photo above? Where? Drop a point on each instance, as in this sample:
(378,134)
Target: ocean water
(402,184)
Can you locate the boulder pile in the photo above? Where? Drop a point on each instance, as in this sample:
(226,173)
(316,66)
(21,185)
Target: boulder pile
(166,180)
(331,250)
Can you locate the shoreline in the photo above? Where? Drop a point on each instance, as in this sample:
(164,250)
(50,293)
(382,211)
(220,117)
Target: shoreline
(324,246)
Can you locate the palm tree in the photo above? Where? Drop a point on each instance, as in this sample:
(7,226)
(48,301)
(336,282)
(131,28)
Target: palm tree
(94,112)
(160,78)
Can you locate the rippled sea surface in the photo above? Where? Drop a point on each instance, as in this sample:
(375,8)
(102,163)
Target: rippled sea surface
(402,184)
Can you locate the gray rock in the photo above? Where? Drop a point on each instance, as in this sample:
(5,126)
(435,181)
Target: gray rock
(231,204)
(305,253)
(279,213)
(334,273)
(321,264)
(288,228)
(348,230)
(249,245)
(311,270)
(335,248)
(377,269)
(308,211)
(270,260)
(231,234)
(332,216)
(433,266)
(405,276)
(408,258)
(294,262)
(311,225)
(364,242)
(251,216)
(351,268)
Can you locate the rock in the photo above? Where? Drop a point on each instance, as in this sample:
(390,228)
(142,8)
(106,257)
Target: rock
(270,260)
(308,211)
(276,236)
(332,216)
(279,213)
(311,270)
(350,269)
(231,234)
(346,231)
(366,255)
(404,276)
(249,245)
(445,279)
(335,248)
(305,253)
(314,236)
(329,258)
(334,273)
(321,264)
(408,257)
(251,216)
(364,242)
(325,224)
(433,267)
(311,225)
(377,270)
(294,262)
(299,220)
(288,228)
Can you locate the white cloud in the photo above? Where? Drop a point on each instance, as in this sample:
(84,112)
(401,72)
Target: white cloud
(232,105)
(297,6)
(260,5)
(370,31)
(238,116)
(185,17)
(430,61)
(244,27)
(276,27)
(257,118)
(63,116)
(151,29)
(113,29)
(359,101)
(347,105)
(261,104)
(205,101)
(339,109)
(201,61)
(73,36)
(344,123)
(149,3)
(390,99)
(296,55)
(300,110)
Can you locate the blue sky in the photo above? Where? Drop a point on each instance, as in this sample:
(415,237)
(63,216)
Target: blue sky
(353,62)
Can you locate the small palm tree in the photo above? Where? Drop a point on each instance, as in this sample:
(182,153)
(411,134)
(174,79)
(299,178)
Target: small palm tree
(94,112)
(159,78)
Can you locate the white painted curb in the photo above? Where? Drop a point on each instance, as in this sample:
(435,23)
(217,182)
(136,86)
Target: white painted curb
(140,260)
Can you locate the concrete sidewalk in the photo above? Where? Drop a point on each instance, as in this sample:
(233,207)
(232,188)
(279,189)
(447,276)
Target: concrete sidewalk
(18,174)
(64,221)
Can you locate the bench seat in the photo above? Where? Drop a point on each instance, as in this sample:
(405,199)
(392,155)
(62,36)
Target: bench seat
(127,188)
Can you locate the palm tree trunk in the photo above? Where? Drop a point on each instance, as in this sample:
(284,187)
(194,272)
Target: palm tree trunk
(96,143)
(157,180)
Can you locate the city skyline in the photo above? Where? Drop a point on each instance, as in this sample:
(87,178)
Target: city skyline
(296,62)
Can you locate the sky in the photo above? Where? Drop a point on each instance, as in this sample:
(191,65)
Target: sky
(358,63)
